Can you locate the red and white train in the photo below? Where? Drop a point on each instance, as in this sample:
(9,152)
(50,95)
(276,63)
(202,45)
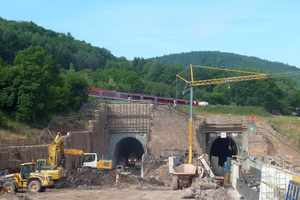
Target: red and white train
(116,95)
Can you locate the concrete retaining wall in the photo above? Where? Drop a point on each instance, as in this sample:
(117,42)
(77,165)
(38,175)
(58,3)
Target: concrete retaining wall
(81,140)
(12,157)
(3,160)
(99,130)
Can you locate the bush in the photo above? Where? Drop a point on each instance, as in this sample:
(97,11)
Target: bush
(3,120)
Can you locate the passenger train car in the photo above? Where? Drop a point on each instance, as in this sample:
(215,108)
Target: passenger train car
(116,95)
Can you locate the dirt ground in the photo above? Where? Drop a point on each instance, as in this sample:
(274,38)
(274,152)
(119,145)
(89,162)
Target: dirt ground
(96,186)
(121,193)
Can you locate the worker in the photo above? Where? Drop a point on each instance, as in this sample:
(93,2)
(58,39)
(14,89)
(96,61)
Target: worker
(117,179)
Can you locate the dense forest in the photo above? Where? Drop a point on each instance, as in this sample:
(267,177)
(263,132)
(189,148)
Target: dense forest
(45,73)
(227,61)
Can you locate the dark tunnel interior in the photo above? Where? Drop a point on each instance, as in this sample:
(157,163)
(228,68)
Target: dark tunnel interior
(126,146)
(223,148)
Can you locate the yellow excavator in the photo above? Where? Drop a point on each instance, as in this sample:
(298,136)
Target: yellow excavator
(51,165)
(29,177)
(55,165)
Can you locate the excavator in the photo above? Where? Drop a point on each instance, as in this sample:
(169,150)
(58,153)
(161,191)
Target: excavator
(91,162)
(56,166)
(51,165)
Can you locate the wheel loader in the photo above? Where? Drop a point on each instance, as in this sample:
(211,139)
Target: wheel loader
(28,177)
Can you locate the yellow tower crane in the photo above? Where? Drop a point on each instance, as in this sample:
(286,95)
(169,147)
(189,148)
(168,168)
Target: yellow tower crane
(228,80)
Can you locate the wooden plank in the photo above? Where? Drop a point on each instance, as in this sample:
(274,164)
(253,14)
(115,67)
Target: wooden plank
(202,159)
(226,178)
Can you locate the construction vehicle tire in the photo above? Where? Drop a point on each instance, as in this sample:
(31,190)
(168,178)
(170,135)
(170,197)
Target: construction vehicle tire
(34,186)
(10,186)
(175,183)
(106,172)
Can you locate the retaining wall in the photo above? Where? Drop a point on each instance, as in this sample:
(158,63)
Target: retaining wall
(99,130)
(12,157)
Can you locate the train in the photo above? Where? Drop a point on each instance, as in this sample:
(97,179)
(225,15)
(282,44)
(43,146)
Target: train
(125,96)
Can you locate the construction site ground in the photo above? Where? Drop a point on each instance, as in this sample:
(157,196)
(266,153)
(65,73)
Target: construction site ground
(95,186)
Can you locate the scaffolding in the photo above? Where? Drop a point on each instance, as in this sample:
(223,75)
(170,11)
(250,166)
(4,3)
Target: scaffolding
(273,183)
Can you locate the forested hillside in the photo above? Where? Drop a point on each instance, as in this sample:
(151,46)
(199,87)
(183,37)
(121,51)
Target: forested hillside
(45,73)
(227,61)
(63,47)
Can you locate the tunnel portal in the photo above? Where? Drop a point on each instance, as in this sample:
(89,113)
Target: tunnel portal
(126,146)
(223,148)
(122,144)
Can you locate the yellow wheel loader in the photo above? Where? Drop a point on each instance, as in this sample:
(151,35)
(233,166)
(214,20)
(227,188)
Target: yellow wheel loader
(28,177)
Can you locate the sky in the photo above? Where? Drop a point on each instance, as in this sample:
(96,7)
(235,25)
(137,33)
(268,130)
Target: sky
(267,29)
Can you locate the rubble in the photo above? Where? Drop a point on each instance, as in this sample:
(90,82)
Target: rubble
(213,194)
(188,193)
(79,180)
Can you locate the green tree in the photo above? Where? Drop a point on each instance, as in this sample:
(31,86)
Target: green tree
(27,86)
(77,86)
(134,81)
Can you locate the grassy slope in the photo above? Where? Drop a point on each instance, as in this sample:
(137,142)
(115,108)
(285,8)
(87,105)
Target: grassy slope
(17,130)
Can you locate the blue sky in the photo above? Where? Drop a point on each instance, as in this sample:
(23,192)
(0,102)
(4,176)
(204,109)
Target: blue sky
(267,29)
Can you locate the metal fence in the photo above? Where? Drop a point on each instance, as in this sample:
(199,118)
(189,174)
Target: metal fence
(293,191)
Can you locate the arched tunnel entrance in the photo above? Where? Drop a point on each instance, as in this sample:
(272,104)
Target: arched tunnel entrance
(127,146)
(221,148)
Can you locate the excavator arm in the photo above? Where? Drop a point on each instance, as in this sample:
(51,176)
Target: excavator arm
(73,151)
(56,146)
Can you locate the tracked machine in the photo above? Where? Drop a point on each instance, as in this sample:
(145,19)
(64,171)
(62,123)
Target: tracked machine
(91,162)
(54,165)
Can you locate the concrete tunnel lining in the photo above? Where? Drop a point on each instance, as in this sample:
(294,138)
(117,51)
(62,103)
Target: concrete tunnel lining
(126,146)
(124,143)
(223,148)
